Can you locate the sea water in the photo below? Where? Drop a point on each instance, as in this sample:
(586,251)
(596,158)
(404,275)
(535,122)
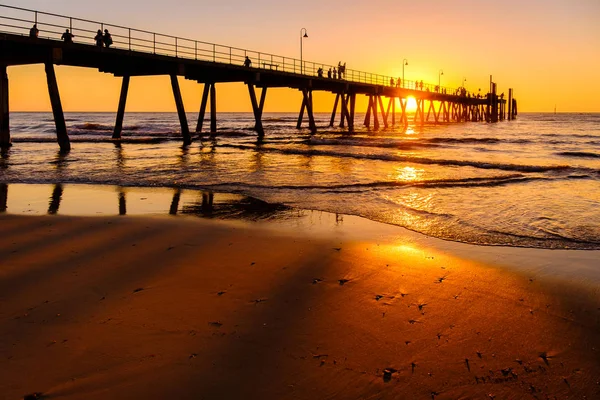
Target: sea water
(531,182)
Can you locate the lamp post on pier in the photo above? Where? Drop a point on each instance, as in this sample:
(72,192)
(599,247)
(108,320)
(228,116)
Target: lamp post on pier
(404,62)
(440,73)
(464,80)
(301,39)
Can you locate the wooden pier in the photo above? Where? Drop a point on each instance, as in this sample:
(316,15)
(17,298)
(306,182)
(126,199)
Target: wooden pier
(142,53)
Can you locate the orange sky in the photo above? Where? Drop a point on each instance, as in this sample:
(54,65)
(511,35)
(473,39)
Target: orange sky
(548,51)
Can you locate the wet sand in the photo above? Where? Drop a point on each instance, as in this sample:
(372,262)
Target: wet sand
(129,307)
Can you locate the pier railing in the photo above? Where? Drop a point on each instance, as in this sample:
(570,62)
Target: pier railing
(16,20)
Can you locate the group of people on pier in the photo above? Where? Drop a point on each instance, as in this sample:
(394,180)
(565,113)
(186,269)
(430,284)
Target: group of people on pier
(334,73)
(102,39)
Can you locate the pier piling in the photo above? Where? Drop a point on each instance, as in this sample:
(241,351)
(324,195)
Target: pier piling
(335,105)
(59,117)
(121,110)
(202,111)
(213,109)
(185,131)
(4,110)
(256,109)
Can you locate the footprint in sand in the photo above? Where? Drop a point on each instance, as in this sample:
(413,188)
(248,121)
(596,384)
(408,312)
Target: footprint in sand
(387,374)
(343,281)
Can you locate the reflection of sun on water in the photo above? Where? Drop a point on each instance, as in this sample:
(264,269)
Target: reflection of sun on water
(408,174)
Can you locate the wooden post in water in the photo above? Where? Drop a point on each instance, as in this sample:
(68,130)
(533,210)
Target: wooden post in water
(344,110)
(4,109)
(352,107)
(301,114)
(213,109)
(203,107)
(494,104)
(335,104)
(403,116)
(121,109)
(261,104)
(185,131)
(368,113)
(383,113)
(510,108)
(309,110)
(375,116)
(59,118)
(393,100)
(257,111)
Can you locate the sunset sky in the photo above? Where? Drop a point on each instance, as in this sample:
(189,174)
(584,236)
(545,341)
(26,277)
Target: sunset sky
(548,51)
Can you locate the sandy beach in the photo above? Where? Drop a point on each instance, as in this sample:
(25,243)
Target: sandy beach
(171,307)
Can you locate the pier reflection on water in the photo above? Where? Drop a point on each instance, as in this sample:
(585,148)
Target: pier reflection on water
(70,199)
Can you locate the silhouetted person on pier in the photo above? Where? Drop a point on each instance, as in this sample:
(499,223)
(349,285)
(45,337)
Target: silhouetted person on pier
(340,69)
(247,62)
(392,82)
(398,81)
(329,73)
(320,72)
(99,38)
(334,73)
(107,39)
(34,32)
(67,36)
(421,85)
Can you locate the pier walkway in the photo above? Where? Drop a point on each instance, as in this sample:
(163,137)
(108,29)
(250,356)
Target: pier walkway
(137,52)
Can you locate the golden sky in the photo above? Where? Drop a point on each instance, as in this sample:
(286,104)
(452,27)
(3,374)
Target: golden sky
(548,51)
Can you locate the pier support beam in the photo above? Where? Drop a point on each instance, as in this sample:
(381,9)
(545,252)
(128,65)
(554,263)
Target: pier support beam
(185,130)
(335,104)
(510,109)
(384,114)
(375,116)
(403,116)
(352,108)
(213,109)
(257,109)
(59,118)
(344,111)
(121,110)
(202,107)
(307,104)
(368,113)
(4,110)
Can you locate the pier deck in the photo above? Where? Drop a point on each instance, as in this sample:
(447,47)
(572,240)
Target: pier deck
(142,53)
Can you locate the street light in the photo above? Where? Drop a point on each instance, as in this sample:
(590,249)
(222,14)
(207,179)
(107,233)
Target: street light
(464,80)
(301,38)
(440,73)
(404,62)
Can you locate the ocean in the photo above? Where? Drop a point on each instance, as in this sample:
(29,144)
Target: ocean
(531,182)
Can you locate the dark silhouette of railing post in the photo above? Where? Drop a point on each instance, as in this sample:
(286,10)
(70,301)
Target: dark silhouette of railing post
(121,110)
(59,117)
(4,110)
(185,131)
